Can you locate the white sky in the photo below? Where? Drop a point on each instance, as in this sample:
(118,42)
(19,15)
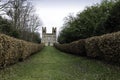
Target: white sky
(52,12)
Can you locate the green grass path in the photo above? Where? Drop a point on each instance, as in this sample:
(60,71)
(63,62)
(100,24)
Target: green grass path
(51,64)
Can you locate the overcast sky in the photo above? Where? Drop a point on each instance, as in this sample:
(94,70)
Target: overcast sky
(52,12)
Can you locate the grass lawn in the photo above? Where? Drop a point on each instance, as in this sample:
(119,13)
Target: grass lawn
(51,64)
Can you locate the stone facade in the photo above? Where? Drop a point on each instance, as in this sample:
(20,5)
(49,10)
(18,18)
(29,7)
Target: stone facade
(48,38)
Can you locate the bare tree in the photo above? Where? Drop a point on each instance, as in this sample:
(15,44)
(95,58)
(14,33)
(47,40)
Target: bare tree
(25,19)
(34,24)
(25,16)
(22,14)
(4,5)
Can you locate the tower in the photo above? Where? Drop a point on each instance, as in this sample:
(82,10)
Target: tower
(54,30)
(43,30)
(49,38)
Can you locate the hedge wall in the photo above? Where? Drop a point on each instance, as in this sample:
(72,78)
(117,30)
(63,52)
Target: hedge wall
(12,50)
(105,47)
(110,47)
(92,48)
(77,47)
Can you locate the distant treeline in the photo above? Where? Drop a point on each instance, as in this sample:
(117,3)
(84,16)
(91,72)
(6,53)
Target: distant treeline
(93,21)
(21,21)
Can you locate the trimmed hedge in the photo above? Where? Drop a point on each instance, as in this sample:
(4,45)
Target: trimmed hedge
(110,47)
(92,48)
(12,50)
(76,47)
(105,47)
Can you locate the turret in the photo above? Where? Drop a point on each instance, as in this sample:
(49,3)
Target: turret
(43,30)
(54,34)
(54,30)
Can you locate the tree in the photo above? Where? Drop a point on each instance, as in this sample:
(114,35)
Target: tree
(5,26)
(24,21)
(87,23)
(112,23)
(34,25)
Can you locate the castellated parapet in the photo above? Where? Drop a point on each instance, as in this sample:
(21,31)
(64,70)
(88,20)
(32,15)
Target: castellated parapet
(49,38)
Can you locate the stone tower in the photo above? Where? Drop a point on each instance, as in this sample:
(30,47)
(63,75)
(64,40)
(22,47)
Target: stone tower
(48,38)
